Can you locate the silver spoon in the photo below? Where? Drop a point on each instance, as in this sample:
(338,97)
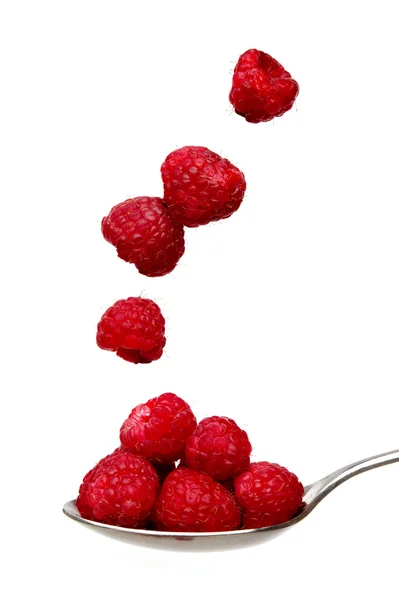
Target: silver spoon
(314,493)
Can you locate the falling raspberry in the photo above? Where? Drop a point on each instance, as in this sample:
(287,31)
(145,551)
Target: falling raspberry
(262,89)
(144,233)
(193,501)
(133,328)
(201,186)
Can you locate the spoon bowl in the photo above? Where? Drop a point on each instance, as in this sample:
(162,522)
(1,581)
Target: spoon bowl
(228,540)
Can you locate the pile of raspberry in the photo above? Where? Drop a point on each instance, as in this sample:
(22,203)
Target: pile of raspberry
(171,473)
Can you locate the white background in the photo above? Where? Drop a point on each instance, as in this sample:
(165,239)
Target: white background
(284,317)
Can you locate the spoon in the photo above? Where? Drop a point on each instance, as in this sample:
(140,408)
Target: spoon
(314,493)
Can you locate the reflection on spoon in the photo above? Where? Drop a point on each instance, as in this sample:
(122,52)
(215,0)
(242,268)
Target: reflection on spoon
(226,540)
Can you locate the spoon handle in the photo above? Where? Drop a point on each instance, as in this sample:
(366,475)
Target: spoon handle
(319,490)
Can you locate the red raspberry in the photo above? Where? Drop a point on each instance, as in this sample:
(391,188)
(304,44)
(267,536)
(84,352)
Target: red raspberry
(133,328)
(200,186)
(262,89)
(269,495)
(192,501)
(219,448)
(144,233)
(120,490)
(159,429)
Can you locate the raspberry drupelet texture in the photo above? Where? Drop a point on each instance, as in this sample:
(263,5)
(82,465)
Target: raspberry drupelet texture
(192,501)
(133,328)
(201,186)
(144,233)
(159,429)
(262,89)
(120,490)
(219,448)
(269,495)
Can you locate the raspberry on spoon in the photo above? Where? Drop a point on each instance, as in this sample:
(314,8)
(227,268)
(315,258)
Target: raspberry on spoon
(120,490)
(193,501)
(219,448)
(268,493)
(159,429)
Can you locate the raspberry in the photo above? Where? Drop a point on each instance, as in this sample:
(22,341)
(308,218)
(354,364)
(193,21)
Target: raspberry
(159,429)
(133,328)
(192,501)
(269,494)
(261,89)
(219,448)
(144,233)
(120,490)
(200,186)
